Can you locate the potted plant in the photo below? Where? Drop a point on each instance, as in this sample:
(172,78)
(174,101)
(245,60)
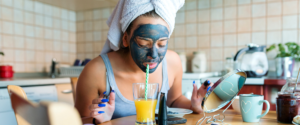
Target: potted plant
(285,59)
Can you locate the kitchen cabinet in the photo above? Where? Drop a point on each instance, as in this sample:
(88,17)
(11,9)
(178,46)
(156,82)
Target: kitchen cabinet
(64,93)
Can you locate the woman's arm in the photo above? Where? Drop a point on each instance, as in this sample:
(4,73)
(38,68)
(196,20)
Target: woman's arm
(90,83)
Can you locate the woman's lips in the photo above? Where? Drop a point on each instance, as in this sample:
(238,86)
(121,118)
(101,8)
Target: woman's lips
(151,65)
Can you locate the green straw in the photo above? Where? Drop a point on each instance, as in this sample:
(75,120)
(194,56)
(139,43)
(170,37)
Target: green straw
(147,75)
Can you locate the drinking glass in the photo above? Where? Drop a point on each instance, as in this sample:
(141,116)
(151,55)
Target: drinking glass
(145,107)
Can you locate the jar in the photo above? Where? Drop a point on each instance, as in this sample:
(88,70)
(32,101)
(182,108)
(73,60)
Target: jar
(229,64)
(6,71)
(199,62)
(183,60)
(288,102)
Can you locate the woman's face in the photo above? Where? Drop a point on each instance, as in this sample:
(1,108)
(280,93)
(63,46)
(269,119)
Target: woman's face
(148,42)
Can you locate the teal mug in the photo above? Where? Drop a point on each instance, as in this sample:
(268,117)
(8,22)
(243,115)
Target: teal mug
(251,107)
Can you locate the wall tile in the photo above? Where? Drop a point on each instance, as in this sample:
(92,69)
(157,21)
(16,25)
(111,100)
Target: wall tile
(65,36)
(72,16)
(19,29)
(179,43)
(203,28)
(244,11)
(203,15)
(65,25)
(230,26)
(57,23)
(40,44)
(274,37)
(48,10)
(48,45)
(89,36)
(38,7)
(39,20)
(65,47)
(191,5)
(258,1)
(7,13)
(203,4)
(216,40)
(204,41)
(19,55)
(191,16)
(230,13)
(289,36)
(29,31)
(229,51)
(48,22)
(30,56)
(216,27)
(56,12)
(18,16)
(97,14)
(230,40)
(191,29)
(289,22)
(28,5)
(65,14)
(216,3)
(8,27)
(274,9)
(80,26)
(19,67)
(89,47)
(289,7)
(7,41)
(72,26)
(48,34)
(244,1)
(105,13)
(180,17)
(88,26)
(216,14)
(244,25)
(80,16)
(230,2)
(273,23)
(216,53)
(9,55)
(7,3)
(244,38)
(57,46)
(258,10)
(179,30)
(259,38)
(191,42)
(57,34)
(19,42)
(97,36)
(30,43)
(29,18)
(259,24)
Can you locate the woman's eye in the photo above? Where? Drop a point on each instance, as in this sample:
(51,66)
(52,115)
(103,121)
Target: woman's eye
(142,45)
(161,45)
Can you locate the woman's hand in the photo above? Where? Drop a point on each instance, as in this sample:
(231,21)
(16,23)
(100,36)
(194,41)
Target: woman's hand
(103,109)
(197,97)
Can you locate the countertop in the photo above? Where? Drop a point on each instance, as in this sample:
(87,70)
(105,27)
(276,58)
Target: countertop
(30,79)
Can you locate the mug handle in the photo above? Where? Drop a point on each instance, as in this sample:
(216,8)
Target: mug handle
(268,108)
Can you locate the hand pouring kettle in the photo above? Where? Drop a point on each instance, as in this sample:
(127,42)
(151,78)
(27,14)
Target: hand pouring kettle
(254,62)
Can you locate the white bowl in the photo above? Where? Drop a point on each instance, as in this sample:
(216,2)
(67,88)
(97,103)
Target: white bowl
(236,105)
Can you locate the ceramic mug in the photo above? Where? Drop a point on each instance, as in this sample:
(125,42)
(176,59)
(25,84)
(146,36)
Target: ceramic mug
(251,107)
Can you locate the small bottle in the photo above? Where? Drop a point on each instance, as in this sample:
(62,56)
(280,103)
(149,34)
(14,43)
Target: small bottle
(229,64)
(183,60)
(199,62)
(162,113)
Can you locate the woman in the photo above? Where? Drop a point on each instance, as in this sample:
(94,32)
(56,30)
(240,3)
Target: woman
(144,40)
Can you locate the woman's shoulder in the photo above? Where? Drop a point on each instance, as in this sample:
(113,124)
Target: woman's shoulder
(172,58)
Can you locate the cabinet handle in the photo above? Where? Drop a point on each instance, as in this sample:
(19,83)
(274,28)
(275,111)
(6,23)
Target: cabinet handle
(67,91)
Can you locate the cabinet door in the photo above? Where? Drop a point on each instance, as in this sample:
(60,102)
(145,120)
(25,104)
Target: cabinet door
(64,93)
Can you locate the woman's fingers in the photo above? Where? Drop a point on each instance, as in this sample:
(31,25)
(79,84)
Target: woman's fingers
(94,106)
(112,98)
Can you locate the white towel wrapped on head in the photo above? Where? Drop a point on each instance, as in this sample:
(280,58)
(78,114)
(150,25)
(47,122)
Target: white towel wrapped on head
(128,10)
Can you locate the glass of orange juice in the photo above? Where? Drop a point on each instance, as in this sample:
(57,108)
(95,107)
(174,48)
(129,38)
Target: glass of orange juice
(145,107)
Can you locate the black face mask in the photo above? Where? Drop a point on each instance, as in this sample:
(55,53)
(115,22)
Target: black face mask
(140,53)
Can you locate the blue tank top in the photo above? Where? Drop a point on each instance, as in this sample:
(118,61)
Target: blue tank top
(123,106)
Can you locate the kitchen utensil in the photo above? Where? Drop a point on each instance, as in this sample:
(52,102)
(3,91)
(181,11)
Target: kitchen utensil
(284,67)
(221,93)
(254,62)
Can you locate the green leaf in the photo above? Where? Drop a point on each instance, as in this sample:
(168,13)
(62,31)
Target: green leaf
(271,47)
(1,53)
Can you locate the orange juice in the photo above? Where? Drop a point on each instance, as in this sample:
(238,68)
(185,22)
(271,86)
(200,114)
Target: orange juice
(145,110)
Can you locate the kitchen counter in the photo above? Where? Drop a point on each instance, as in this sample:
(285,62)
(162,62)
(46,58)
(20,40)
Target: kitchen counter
(33,81)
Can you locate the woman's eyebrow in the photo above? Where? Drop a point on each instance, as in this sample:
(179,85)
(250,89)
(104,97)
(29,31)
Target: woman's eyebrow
(163,38)
(144,38)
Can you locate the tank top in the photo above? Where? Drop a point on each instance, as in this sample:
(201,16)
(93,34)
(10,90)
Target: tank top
(123,106)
